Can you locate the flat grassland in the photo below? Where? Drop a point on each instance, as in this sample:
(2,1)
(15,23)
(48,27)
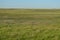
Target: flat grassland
(29,24)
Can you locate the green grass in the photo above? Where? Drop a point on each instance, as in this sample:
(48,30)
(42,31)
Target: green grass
(29,24)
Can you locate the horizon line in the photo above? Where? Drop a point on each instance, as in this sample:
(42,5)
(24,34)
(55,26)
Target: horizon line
(29,8)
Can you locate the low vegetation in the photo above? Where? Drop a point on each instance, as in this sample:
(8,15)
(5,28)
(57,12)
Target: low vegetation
(29,24)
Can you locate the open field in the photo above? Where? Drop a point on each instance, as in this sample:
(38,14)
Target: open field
(29,24)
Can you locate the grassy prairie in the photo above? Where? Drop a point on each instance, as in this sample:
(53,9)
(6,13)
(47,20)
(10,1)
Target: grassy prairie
(29,24)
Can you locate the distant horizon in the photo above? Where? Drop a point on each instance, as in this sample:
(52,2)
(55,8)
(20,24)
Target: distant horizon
(29,8)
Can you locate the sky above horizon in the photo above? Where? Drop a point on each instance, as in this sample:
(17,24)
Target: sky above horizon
(29,3)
